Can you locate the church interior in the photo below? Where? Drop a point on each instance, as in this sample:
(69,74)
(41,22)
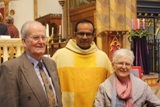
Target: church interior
(118,23)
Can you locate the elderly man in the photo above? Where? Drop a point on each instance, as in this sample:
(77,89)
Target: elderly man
(30,80)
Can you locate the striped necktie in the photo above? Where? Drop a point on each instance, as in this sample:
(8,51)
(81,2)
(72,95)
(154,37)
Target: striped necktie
(48,87)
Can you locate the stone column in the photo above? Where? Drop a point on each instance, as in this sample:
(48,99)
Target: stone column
(64,33)
(115,15)
(102,18)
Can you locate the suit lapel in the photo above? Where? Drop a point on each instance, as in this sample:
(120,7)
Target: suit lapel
(33,81)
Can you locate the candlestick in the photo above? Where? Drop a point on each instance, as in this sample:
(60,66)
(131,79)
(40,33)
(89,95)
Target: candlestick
(47,30)
(59,29)
(143,23)
(137,24)
(52,30)
(132,24)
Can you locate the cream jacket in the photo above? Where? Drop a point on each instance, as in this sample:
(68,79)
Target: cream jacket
(141,93)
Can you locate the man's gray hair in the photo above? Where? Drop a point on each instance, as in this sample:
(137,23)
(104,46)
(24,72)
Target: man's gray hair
(25,27)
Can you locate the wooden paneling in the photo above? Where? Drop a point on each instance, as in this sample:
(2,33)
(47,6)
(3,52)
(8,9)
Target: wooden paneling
(54,20)
(55,46)
(111,41)
(83,12)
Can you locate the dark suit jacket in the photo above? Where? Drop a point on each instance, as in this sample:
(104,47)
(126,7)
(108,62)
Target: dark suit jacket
(20,86)
(3,29)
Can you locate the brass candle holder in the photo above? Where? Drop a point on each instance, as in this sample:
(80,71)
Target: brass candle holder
(60,37)
(50,40)
(157,30)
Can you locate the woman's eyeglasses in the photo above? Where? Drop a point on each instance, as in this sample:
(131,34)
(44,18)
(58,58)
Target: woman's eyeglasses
(120,64)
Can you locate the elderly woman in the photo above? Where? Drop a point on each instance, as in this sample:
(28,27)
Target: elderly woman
(122,88)
(12,29)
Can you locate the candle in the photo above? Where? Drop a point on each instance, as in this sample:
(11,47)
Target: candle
(59,29)
(137,24)
(47,30)
(52,30)
(132,24)
(143,23)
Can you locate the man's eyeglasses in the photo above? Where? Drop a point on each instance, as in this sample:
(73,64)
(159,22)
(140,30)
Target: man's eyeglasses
(120,64)
(37,38)
(84,33)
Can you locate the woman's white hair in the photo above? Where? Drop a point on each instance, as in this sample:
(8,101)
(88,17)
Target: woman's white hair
(123,53)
